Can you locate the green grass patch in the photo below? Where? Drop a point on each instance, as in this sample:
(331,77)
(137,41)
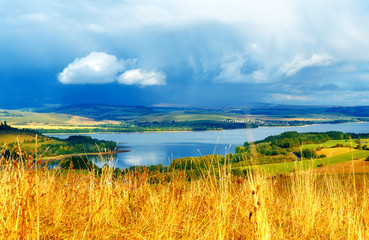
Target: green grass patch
(331,143)
(64,172)
(51,142)
(287,167)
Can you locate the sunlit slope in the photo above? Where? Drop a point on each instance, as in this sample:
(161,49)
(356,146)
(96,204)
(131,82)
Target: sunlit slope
(25,139)
(24,119)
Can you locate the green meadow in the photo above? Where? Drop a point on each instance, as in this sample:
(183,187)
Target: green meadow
(332,143)
(288,167)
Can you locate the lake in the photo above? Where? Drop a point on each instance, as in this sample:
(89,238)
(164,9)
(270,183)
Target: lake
(161,147)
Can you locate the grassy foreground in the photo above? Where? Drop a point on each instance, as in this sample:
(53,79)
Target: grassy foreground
(37,203)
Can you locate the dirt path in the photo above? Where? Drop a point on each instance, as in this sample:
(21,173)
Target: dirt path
(358,166)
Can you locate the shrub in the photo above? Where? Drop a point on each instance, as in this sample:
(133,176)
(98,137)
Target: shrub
(338,145)
(306,153)
(321,165)
(240,149)
(77,162)
(240,173)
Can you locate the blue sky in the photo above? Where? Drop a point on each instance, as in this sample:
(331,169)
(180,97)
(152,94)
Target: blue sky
(193,53)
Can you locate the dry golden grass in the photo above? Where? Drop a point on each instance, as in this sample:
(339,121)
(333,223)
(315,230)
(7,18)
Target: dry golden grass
(331,152)
(37,203)
(43,126)
(78,120)
(357,166)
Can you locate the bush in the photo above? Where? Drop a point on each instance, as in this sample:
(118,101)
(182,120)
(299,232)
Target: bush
(321,165)
(367,158)
(240,149)
(77,162)
(306,153)
(240,173)
(338,145)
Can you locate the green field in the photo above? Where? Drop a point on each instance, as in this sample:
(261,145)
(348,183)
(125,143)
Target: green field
(287,167)
(332,143)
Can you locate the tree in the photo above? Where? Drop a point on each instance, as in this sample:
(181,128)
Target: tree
(240,149)
(306,153)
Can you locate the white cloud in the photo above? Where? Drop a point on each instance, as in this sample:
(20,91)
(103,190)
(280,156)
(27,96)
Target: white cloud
(142,78)
(95,68)
(100,68)
(299,63)
(232,71)
(287,97)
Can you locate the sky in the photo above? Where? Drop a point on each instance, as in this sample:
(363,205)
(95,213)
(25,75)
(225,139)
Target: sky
(207,53)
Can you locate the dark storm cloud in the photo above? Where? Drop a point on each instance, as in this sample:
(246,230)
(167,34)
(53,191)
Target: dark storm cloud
(185,52)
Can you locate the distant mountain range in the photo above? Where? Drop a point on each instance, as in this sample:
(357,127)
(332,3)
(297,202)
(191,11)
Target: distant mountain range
(146,113)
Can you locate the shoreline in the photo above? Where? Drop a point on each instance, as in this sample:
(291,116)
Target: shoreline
(45,134)
(183,131)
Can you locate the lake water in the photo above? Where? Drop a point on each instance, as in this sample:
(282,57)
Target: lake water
(161,147)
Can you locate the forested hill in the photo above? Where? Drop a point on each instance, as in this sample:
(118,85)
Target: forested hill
(293,139)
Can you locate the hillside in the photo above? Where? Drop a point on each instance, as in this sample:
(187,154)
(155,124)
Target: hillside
(154,113)
(107,118)
(9,134)
(18,143)
(35,120)
(141,113)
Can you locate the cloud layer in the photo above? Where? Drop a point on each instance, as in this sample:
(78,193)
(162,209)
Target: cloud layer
(276,51)
(100,68)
